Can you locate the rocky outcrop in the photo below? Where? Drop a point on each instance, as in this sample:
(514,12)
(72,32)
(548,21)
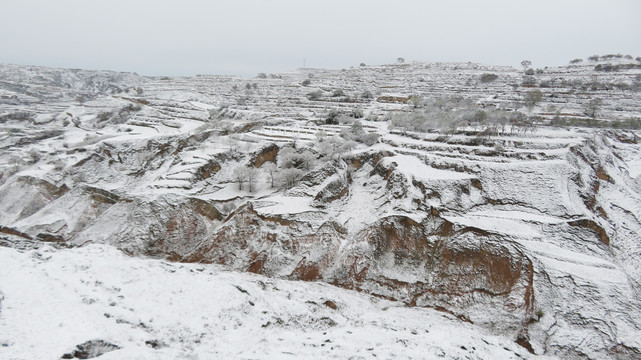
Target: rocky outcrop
(208,170)
(82,207)
(91,349)
(271,245)
(268,153)
(319,176)
(370,157)
(26,196)
(334,190)
(165,227)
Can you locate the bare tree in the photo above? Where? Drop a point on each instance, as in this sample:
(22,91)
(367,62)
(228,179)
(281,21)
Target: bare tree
(593,107)
(16,161)
(240,173)
(291,176)
(232,144)
(252,176)
(271,170)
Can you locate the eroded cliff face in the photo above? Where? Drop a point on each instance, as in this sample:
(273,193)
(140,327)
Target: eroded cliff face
(462,270)
(428,243)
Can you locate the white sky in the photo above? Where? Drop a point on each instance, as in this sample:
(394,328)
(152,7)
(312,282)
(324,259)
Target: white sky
(245,37)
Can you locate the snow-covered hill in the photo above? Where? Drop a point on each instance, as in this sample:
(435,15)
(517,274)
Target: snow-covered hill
(433,188)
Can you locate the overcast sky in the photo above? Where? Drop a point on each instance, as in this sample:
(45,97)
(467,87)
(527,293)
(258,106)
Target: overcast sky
(245,37)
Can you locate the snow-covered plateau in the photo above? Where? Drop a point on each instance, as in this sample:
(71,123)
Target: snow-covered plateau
(417,210)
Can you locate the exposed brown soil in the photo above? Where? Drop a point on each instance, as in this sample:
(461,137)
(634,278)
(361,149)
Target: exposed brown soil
(12,231)
(208,170)
(589,224)
(270,153)
(601,174)
(306,271)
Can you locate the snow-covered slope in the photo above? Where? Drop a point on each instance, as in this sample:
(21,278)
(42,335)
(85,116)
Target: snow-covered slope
(55,299)
(526,233)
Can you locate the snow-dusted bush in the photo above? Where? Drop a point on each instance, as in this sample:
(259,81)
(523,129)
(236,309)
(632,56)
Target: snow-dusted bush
(332,117)
(243,100)
(344,119)
(357,127)
(528,81)
(315,95)
(104,116)
(415,101)
(488,77)
(320,135)
(220,113)
(356,133)
(357,114)
(368,139)
(288,158)
(34,156)
(367,95)
(539,314)
(332,146)
(533,97)
(447,114)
